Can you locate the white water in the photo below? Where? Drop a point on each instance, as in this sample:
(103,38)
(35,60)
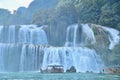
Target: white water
(73,42)
(11,34)
(88,37)
(28,34)
(32,35)
(20,47)
(113,35)
(89,33)
(38,36)
(86,34)
(15,57)
(1,27)
(83,59)
(22,58)
(75,34)
(1,59)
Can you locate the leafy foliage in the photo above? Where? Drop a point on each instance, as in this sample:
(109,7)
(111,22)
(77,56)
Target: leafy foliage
(42,17)
(103,12)
(110,15)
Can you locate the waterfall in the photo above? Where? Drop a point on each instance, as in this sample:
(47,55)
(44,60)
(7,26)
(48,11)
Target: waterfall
(89,33)
(11,34)
(86,35)
(16,57)
(113,36)
(22,58)
(68,41)
(25,48)
(20,47)
(28,34)
(75,35)
(83,59)
(32,34)
(1,59)
(38,36)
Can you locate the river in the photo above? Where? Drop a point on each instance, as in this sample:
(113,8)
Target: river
(56,76)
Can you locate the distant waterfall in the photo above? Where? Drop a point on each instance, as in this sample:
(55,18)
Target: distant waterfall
(75,53)
(83,59)
(28,34)
(20,47)
(11,34)
(86,35)
(89,33)
(113,36)
(1,59)
(22,58)
(15,57)
(26,48)
(73,41)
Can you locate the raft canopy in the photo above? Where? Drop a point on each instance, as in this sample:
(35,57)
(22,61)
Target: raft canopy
(55,65)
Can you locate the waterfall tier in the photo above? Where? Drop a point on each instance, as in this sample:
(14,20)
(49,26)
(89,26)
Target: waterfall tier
(79,36)
(19,57)
(83,59)
(20,47)
(85,35)
(113,36)
(30,58)
(29,34)
(25,48)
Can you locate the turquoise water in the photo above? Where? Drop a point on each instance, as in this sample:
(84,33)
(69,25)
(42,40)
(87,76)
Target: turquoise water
(57,76)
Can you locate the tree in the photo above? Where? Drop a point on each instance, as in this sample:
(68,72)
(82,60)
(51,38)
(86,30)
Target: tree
(42,17)
(66,12)
(89,10)
(110,15)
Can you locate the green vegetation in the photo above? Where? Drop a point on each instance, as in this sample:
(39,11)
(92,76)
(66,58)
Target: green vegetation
(115,55)
(103,12)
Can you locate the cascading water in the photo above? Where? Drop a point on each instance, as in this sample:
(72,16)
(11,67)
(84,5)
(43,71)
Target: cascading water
(31,34)
(11,34)
(20,47)
(22,58)
(113,35)
(73,41)
(83,59)
(1,59)
(89,33)
(86,35)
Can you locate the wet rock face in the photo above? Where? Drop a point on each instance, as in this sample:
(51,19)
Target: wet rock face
(107,43)
(114,70)
(72,69)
